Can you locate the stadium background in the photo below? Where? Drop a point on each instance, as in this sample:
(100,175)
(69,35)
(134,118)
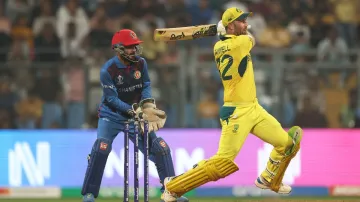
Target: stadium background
(306,67)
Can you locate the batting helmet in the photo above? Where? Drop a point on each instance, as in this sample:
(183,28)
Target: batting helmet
(125,37)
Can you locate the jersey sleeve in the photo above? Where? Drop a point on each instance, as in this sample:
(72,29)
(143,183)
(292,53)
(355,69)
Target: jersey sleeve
(245,42)
(110,93)
(146,92)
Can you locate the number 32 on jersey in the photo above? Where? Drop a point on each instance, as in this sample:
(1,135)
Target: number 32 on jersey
(227,61)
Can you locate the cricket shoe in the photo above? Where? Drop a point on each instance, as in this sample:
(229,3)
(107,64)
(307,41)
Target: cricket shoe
(180,199)
(261,183)
(88,198)
(168,196)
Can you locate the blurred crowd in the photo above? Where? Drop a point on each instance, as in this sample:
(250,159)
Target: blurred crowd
(51,52)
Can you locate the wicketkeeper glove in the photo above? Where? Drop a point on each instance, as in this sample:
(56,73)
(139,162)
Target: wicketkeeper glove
(155,117)
(135,111)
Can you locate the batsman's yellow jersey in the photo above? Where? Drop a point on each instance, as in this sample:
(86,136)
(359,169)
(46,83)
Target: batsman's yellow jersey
(233,59)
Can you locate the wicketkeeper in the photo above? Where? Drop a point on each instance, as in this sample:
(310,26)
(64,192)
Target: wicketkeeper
(126,94)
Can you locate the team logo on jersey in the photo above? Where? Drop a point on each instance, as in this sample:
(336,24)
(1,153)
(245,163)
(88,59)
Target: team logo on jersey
(119,80)
(137,74)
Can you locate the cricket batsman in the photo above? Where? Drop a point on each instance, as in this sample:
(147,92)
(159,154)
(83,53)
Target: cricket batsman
(126,94)
(240,115)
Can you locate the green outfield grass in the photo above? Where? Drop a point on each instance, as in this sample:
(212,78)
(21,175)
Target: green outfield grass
(254,199)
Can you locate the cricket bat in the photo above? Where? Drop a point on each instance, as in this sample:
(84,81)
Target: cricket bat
(185,33)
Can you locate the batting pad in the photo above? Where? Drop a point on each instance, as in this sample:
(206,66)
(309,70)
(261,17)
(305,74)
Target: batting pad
(210,170)
(296,134)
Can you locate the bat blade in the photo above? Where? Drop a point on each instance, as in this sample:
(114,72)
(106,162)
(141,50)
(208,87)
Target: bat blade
(185,33)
